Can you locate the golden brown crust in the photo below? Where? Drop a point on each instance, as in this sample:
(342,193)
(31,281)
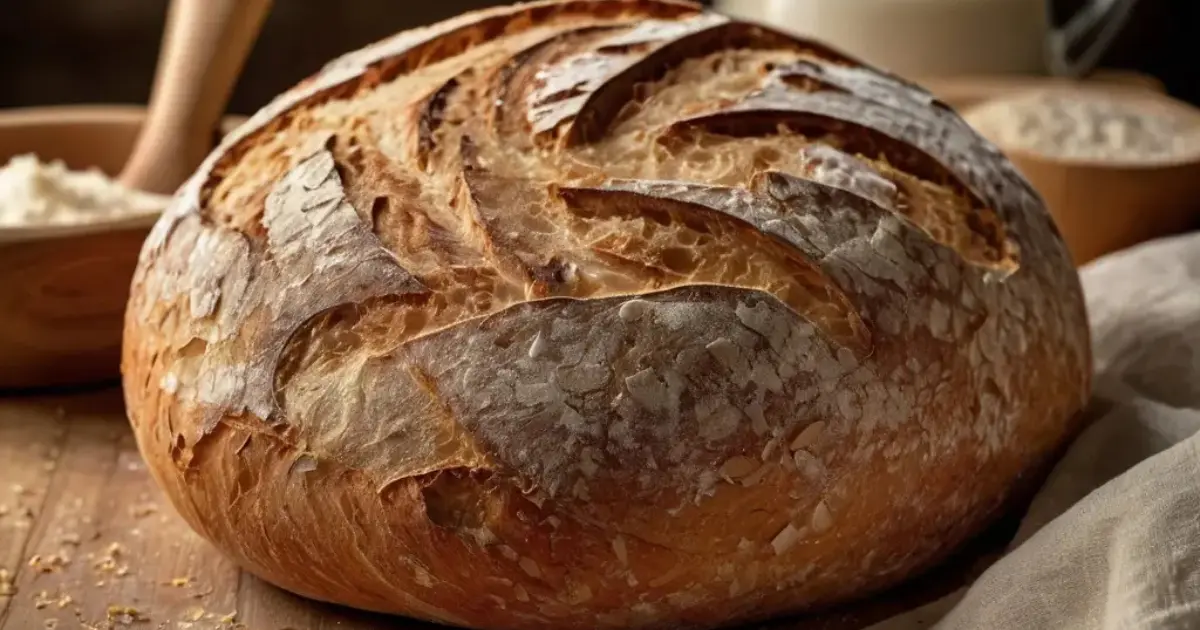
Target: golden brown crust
(600,314)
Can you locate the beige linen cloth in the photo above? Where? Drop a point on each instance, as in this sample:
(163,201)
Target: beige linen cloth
(1112,540)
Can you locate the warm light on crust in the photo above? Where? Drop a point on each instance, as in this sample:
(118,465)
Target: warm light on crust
(600,315)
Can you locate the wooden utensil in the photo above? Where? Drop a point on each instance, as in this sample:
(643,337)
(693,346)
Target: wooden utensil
(1103,205)
(204,48)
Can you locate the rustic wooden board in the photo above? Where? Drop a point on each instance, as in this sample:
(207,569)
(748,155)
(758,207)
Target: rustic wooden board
(89,543)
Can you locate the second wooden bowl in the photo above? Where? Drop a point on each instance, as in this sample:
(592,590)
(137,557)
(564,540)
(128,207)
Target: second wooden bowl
(1102,205)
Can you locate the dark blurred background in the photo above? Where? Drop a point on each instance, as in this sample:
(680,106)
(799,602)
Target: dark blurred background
(89,51)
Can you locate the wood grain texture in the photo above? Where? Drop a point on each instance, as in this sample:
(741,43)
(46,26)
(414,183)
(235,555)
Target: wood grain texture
(24,449)
(78,502)
(86,538)
(60,316)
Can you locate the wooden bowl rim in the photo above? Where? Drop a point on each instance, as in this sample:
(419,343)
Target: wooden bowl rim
(71,114)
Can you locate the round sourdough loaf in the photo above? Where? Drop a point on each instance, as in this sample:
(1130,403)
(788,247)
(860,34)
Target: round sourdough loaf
(600,314)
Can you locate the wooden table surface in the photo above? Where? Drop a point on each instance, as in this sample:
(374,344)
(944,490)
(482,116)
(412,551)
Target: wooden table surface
(86,538)
(88,542)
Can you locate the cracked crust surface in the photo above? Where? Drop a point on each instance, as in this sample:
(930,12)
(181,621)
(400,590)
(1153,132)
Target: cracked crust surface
(600,314)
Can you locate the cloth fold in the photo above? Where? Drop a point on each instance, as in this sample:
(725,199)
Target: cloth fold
(1112,539)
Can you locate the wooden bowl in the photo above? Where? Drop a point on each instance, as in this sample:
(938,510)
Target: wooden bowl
(1104,205)
(63,288)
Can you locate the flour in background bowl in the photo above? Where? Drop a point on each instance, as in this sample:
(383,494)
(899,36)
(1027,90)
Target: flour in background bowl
(35,193)
(1085,125)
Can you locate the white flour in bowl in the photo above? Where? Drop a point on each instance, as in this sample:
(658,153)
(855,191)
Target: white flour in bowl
(35,193)
(1084,125)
